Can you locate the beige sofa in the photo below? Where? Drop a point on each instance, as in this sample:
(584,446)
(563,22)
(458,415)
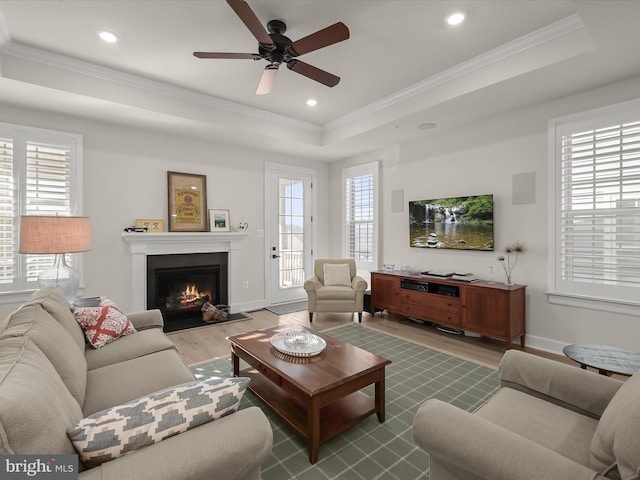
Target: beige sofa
(549,420)
(50,379)
(340,295)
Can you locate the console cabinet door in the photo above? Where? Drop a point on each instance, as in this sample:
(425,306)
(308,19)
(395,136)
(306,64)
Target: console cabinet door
(496,313)
(486,311)
(385,290)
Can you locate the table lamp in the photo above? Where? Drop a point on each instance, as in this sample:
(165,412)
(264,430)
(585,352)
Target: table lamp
(41,234)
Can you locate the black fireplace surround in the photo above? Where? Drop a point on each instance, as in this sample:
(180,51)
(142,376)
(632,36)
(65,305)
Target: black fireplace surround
(179,284)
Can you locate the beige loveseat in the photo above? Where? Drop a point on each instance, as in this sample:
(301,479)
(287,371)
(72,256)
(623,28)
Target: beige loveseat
(549,420)
(50,379)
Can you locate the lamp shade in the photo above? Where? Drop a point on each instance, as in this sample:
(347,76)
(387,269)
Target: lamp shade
(41,234)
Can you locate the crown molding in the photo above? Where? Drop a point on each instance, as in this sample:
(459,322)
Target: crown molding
(153,86)
(514,47)
(517,46)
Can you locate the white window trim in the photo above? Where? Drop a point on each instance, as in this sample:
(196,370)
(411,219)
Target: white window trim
(371,168)
(620,113)
(74,141)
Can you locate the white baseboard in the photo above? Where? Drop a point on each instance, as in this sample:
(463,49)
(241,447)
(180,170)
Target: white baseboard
(248,306)
(545,344)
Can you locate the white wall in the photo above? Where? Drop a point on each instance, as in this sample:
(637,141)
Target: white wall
(125,177)
(482,158)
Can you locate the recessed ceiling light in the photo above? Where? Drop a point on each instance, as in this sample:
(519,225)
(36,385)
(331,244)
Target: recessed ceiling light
(108,37)
(455,18)
(312,102)
(427,126)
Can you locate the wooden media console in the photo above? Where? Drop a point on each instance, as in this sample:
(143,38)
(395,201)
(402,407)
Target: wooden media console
(492,310)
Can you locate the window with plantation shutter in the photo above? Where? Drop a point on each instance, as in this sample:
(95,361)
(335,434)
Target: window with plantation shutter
(596,222)
(39,175)
(7,237)
(360,215)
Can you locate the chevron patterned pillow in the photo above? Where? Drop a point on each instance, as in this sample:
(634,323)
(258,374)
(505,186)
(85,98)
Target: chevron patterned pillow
(119,430)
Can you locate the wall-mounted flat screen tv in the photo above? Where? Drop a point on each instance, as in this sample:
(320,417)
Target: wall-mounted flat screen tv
(461,223)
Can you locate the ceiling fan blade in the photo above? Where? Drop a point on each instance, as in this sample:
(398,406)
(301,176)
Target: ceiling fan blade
(322,38)
(242,56)
(243,10)
(267,80)
(314,73)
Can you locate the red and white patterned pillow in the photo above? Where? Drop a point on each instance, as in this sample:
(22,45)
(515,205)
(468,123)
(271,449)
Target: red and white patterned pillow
(104,323)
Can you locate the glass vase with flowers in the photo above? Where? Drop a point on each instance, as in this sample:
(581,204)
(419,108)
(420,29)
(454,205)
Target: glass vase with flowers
(508,261)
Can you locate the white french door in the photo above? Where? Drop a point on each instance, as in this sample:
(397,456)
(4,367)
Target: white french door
(289,238)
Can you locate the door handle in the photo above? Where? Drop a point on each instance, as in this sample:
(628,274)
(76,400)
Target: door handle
(275,256)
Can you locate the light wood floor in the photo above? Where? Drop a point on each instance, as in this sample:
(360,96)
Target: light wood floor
(205,343)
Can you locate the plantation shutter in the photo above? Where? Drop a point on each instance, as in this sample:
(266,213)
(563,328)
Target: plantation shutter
(360,215)
(7,228)
(39,175)
(600,227)
(48,192)
(594,259)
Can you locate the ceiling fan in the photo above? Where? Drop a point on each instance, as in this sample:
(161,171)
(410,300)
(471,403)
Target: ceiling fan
(277,49)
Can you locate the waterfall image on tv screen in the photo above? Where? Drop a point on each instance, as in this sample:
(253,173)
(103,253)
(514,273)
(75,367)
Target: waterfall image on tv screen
(462,223)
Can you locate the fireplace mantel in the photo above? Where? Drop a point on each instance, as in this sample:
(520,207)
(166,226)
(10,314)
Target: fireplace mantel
(168,243)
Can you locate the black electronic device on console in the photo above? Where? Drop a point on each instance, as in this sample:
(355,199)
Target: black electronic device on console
(430,287)
(416,285)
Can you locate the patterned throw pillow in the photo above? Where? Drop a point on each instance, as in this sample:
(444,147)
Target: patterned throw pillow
(116,431)
(104,323)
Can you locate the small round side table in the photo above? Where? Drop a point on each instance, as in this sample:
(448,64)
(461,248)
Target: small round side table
(607,360)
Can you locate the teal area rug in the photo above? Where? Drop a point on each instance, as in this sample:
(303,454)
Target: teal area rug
(373,450)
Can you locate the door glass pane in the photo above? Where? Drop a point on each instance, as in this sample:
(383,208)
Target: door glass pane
(297,224)
(291,235)
(297,206)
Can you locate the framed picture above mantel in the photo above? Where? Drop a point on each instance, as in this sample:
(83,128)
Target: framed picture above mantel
(187,202)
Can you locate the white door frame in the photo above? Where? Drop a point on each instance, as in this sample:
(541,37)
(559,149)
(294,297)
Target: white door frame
(271,237)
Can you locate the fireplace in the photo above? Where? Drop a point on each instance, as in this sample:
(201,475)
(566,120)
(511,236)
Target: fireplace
(180,284)
(143,245)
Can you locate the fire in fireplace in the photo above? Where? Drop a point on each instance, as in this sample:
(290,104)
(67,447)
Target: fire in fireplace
(190,297)
(179,285)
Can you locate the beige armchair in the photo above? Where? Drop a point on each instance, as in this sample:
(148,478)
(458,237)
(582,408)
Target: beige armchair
(335,287)
(549,420)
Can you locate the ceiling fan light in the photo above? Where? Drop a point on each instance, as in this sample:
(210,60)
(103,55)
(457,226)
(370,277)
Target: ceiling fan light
(267,80)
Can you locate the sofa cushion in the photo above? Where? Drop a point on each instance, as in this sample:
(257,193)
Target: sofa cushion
(143,342)
(36,408)
(337,274)
(122,429)
(124,381)
(57,305)
(554,427)
(104,323)
(55,342)
(615,448)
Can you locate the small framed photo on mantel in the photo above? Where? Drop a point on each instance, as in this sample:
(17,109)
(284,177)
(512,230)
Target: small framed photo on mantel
(219,220)
(187,202)
(152,225)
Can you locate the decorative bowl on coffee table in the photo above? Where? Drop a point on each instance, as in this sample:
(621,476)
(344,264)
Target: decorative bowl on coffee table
(298,343)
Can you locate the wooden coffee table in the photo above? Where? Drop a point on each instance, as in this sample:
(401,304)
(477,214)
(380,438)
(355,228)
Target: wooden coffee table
(318,396)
